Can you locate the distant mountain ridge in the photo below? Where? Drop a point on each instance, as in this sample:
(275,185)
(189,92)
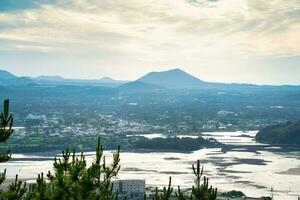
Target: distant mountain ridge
(174,79)
(6,75)
(139,87)
(58,80)
(181,80)
(106,79)
(7,78)
(50,78)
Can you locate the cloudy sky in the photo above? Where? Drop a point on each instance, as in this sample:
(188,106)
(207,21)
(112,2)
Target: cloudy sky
(253,41)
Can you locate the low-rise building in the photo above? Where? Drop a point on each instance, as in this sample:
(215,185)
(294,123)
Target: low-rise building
(132,189)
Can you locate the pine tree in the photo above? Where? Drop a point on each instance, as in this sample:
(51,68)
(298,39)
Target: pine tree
(72,179)
(6,122)
(17,189)
(202,191)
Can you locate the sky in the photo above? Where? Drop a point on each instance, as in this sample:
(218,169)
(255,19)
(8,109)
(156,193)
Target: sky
(244,41)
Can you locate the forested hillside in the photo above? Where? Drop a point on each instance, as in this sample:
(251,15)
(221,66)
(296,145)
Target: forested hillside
(287,133)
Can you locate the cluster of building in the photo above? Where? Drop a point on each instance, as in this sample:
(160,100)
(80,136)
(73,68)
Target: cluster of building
(105,124)
(102,125)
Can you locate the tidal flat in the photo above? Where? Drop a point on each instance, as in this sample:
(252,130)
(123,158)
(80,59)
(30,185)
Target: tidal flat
(246,166)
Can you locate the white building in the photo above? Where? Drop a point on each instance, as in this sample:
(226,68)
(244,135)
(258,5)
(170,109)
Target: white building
(132,189)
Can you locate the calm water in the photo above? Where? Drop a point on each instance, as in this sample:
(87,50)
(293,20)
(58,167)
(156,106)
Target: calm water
(249,167)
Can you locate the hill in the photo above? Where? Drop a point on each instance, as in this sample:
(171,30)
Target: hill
(106,79)
(58,80)
(139,87)
(50,78)
(172,79)
(287,133)
(6,75)
(8,79)
(178,79)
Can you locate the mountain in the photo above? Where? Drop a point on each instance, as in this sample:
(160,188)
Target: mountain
(173,79)
(7,78)
(108,80)
(6,75)
(286,133)
(51,78)
(178,79)
(153,81)
(58,80)
(139,87)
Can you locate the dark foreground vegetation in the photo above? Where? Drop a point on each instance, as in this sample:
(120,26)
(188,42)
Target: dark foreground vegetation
(73,179)
(281,134)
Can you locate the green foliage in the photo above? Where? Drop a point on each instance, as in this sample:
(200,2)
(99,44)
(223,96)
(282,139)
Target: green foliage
(16,191)
(6,122)
(286,133)
(174,143)
(44,143)
(202,191)
(73,179)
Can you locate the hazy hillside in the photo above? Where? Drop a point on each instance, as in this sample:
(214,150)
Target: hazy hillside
(7,78)
(139,87)
(50,78)
(6,75)
(288,133)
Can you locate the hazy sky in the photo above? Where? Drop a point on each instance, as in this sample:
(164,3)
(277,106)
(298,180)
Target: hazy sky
(255,41)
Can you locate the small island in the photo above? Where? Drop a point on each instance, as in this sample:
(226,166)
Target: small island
(184,144)
(281,134)
(36,143)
